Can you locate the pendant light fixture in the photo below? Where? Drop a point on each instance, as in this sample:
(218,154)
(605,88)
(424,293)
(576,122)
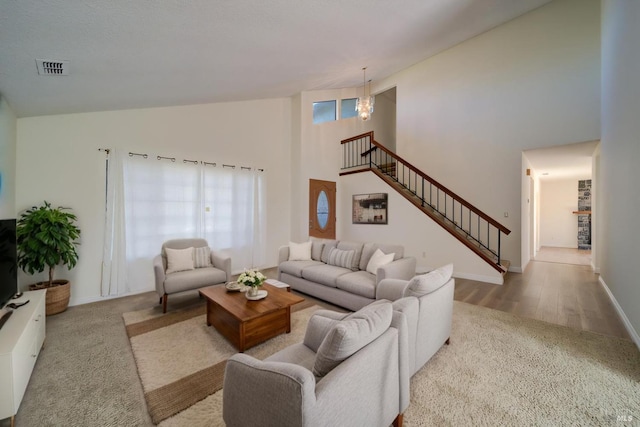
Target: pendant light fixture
(364,107)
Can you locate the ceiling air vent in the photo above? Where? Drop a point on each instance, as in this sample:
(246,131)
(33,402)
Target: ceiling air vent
(52,68)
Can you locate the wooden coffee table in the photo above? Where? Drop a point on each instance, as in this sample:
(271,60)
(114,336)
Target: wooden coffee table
(247,323)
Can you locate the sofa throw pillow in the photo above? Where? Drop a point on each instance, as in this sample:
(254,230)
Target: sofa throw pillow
(300,251)
(202,257)
(356,247)
(350,335)
(326,249)
(378,259)
(179,259)
(341,258)
(424,284)
(317,330)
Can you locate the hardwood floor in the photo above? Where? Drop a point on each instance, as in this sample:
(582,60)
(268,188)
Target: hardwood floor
(563,294)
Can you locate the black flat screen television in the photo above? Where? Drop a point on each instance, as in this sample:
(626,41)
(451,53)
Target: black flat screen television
(8,261)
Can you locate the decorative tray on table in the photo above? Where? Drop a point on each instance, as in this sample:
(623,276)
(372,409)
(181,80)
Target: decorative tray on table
(235,287)
(261,294)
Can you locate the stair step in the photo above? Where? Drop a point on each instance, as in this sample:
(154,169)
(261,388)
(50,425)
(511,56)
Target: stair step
(501,265)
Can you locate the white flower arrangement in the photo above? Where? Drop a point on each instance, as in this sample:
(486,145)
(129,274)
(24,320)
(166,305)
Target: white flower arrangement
(251,278)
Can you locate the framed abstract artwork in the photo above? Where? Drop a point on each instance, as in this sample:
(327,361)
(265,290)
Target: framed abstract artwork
(370,208)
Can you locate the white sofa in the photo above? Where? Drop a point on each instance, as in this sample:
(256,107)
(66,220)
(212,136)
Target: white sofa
(351,288)
(427,303)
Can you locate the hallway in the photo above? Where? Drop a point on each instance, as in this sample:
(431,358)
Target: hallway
(563,294)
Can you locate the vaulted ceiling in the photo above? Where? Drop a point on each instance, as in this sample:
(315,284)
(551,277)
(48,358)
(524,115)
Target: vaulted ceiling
(150,53)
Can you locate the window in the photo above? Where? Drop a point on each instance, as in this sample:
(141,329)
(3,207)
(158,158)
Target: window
(324,111)
(348,108)
(151,201)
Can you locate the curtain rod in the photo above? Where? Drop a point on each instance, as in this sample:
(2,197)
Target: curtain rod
(195,162)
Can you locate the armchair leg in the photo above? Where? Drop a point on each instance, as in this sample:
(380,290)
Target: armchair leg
(398,421)
(164,303)
(448,341)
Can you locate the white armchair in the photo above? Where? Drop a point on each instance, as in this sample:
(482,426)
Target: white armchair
(204,271)
(346,372)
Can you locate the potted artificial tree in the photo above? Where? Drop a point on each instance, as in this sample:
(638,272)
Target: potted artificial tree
(47,237)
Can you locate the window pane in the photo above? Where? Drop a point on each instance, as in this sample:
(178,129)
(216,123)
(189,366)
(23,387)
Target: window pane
(348,108)
(324,111)
(322,210)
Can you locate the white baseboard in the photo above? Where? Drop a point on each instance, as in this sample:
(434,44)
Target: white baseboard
(516,269)
(627,324)
(480,278)
(96,298)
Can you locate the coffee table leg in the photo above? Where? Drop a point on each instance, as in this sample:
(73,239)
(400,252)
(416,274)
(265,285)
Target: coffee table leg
(288,319)
(209,311)
(241,340)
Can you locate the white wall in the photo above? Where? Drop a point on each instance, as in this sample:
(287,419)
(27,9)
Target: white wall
(318,154)
(558,223)
(465,115)
(58,160)
(618,202)
(383,121)
(8,126)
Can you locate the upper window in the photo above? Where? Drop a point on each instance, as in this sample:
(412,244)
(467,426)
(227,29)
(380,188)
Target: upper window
(348,108)
(324,111)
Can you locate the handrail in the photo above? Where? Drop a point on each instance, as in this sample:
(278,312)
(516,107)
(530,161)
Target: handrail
(443,188)
(457,213)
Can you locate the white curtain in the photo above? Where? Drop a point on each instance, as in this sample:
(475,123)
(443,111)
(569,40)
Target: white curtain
(161,200)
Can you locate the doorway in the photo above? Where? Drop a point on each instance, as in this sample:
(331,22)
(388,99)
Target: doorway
(322,209)
(559,182)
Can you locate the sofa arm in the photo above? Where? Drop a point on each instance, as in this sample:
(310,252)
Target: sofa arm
(404,268)
(283,254)
(391,289)
(246,376)
(222,261)
(158,271)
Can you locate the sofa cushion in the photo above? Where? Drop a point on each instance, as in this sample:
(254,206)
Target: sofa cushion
(357,248)
(317,329)
(369,248)
(324,274)
(202,257)
(341,258)
(179,260)
(295,267)
(193,279)
(300,251)
(316,250)
(424,284)
(328,245)
(350,335)
(358,283)
(378,259)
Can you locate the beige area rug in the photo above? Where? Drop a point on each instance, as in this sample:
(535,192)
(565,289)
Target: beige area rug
(500,369)
(181,360)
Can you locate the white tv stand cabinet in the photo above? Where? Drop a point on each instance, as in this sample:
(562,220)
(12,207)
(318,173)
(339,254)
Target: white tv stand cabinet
(21,339)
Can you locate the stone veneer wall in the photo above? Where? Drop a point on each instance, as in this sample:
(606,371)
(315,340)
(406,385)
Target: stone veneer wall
(584,221)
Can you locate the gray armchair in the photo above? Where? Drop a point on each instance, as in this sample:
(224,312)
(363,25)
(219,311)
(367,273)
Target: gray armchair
(350,370)
(217,271)
(427,303)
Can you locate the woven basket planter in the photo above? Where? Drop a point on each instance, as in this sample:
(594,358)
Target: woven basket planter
(57,295)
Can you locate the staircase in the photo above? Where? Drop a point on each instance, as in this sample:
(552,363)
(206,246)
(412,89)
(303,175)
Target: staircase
(475,229)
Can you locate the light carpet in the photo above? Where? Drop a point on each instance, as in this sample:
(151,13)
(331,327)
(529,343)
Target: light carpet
(500,369)
(181,360)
